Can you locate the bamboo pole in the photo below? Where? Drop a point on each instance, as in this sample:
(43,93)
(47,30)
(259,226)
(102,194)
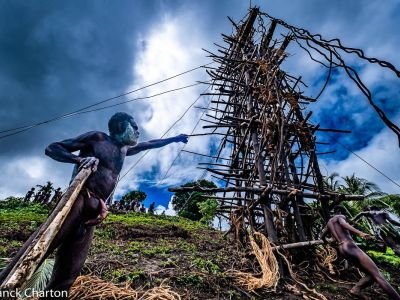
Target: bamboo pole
(30,260)
(298,245)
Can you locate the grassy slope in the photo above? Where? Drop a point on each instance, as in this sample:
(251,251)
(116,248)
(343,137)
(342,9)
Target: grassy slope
(146,250)
(149,249)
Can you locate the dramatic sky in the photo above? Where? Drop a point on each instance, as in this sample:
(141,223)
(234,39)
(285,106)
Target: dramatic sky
(59,56)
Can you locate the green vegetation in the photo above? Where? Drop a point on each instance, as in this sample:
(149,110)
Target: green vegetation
(136,219)
(206,265)
(3,250)
(190,279)
(208,209)
(145,250)
(388,257)
(124,275)
(34,213)
(17,221)
(161,248)
(187,203)
(392,201)
(359,186)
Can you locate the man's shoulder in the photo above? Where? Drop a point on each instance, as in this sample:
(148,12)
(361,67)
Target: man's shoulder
(336,218)
(96,135)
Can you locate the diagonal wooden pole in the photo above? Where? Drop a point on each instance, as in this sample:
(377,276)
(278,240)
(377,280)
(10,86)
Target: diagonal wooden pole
(33,256)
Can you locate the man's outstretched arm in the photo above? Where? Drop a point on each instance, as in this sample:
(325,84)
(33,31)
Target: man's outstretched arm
(156,144)
(347,226)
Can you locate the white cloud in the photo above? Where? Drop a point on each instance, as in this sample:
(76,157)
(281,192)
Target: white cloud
(169,211)
(22,173)
(30,168)
(383,153)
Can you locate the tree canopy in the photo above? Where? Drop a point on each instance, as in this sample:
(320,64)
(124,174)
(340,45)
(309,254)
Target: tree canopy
(131,196)
(187,203)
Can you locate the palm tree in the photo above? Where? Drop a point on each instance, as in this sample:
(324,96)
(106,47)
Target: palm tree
(359,186)
(354,185)
(331,183)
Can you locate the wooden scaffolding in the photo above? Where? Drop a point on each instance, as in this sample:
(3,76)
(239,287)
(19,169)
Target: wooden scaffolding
(268,157)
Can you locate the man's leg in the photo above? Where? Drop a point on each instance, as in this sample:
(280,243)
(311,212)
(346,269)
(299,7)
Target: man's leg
(390,241)
(72,252)
(370,267)
(362,284)
(70,257)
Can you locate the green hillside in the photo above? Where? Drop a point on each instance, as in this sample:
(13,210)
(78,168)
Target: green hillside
(143,251)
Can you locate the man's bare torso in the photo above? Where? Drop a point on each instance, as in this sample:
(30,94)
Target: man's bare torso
(111,157)
(339,233)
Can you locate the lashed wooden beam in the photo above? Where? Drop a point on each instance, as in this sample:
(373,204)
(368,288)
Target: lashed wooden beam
(259,190)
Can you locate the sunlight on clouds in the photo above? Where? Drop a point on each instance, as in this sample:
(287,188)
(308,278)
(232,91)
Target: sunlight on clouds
(170,47)
(32,167)
(169,211)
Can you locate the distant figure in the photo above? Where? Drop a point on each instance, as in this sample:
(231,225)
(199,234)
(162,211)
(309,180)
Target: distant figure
(106,154)
(385,226)
(38,196)
(132,205)
(142,209)
(56,197)
(121,204)
(152,208)
(340,230)
(137,207)
(29,195)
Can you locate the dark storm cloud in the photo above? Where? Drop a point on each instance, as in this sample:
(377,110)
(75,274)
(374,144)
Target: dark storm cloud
(60,56)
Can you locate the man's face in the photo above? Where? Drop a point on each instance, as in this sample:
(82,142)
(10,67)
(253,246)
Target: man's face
(131,134)
(135,130)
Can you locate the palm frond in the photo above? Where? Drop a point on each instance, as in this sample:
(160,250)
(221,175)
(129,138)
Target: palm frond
(3,262)
(330,182)
(374,194)
(41,277)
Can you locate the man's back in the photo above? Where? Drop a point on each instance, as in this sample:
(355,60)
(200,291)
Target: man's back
(338,230)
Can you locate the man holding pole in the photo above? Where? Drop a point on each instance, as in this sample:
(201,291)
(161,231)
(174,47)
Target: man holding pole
(105,154)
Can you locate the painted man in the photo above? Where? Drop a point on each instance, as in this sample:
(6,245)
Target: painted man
(103,152)
(341,231)
(385,225)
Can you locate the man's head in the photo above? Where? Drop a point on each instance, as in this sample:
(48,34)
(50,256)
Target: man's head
(371,208)
(339,210)
(123,128)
